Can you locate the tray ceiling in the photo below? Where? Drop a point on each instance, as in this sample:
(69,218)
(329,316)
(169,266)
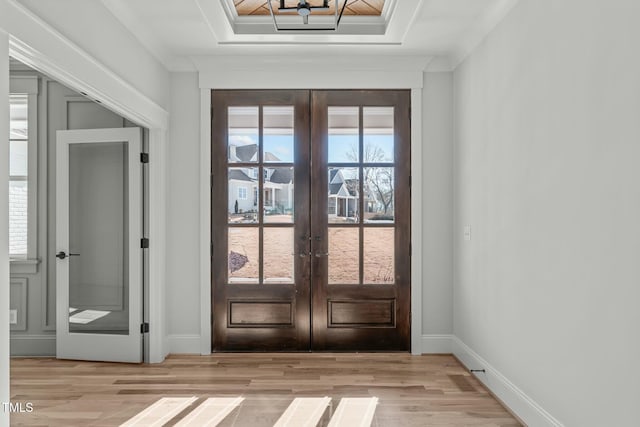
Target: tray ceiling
(183,34)
(354,7)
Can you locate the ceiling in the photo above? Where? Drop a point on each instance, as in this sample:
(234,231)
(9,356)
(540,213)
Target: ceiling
(353,7)
(179,32)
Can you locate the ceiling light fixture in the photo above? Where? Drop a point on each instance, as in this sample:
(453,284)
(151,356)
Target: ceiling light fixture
(304,9)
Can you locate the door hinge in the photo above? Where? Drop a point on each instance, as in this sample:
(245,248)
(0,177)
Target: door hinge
(211,180)
(211,113)
(144,328)
(144,157)
(211,249)
(144,243)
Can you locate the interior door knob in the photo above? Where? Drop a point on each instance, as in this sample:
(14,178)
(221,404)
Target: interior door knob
(62,255)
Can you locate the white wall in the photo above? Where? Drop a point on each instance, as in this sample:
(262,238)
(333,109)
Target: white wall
(183,215)
(184,200)
(113,45)
(546,173)
(4,231)
(437,200)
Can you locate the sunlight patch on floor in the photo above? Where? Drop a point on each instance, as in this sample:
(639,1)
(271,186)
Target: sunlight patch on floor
(302,412)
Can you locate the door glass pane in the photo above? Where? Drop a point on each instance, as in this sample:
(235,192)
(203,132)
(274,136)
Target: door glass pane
(243,258)
(378,134)
(378,194)
(343,195)
(278,255)
(278,194)
(277,135)
(344,252)
(343,134)
(98,233)
(243,134)
(379,259)
(243,195)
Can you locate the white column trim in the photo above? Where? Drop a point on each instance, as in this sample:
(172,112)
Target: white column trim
(159,347)
(4,219)
(416,220)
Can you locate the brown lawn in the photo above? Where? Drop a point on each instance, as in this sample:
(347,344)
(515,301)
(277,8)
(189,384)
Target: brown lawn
(343,254)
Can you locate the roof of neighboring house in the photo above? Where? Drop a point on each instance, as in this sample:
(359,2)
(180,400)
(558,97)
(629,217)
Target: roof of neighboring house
(334,189)
(245,153)
(249,153)
(337,181)
(333,173)
(238,175)
(352,186)
(269,157)
(282,176)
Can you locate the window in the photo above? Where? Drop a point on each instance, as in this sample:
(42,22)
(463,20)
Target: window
(242,193)
(18,175)
(23,173)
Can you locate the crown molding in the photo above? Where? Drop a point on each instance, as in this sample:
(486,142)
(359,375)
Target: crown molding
(481,28)
(311,63)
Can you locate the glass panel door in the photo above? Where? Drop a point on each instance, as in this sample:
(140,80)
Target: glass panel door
(98,232)
(260,242)
(360,227)
(310,220)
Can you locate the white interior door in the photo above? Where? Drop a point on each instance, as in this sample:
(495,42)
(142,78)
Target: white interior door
(98,232)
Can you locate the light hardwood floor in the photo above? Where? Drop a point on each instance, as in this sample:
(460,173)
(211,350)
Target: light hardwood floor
(429,390)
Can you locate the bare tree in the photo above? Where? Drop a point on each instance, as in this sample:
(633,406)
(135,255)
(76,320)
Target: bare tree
(378,182)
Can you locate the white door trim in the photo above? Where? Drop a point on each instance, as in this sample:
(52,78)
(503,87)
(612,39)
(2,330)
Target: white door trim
(205,209)
(87,346)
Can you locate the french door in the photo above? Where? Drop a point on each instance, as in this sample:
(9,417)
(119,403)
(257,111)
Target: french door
(310,220)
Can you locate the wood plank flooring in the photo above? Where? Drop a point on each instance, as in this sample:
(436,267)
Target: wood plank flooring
(429,390)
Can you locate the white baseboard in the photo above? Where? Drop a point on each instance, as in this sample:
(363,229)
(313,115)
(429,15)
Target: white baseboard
(437,344)
(184,344)
(515,399)
(33,345)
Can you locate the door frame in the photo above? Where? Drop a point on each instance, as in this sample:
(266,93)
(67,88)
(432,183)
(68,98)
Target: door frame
(369,77)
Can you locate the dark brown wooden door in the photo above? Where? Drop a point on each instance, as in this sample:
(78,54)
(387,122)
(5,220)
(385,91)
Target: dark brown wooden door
(260,220)
(360,204)
(310,220)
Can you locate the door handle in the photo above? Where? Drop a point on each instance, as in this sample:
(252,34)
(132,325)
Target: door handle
(62,255)
(323,254)
(303,254)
